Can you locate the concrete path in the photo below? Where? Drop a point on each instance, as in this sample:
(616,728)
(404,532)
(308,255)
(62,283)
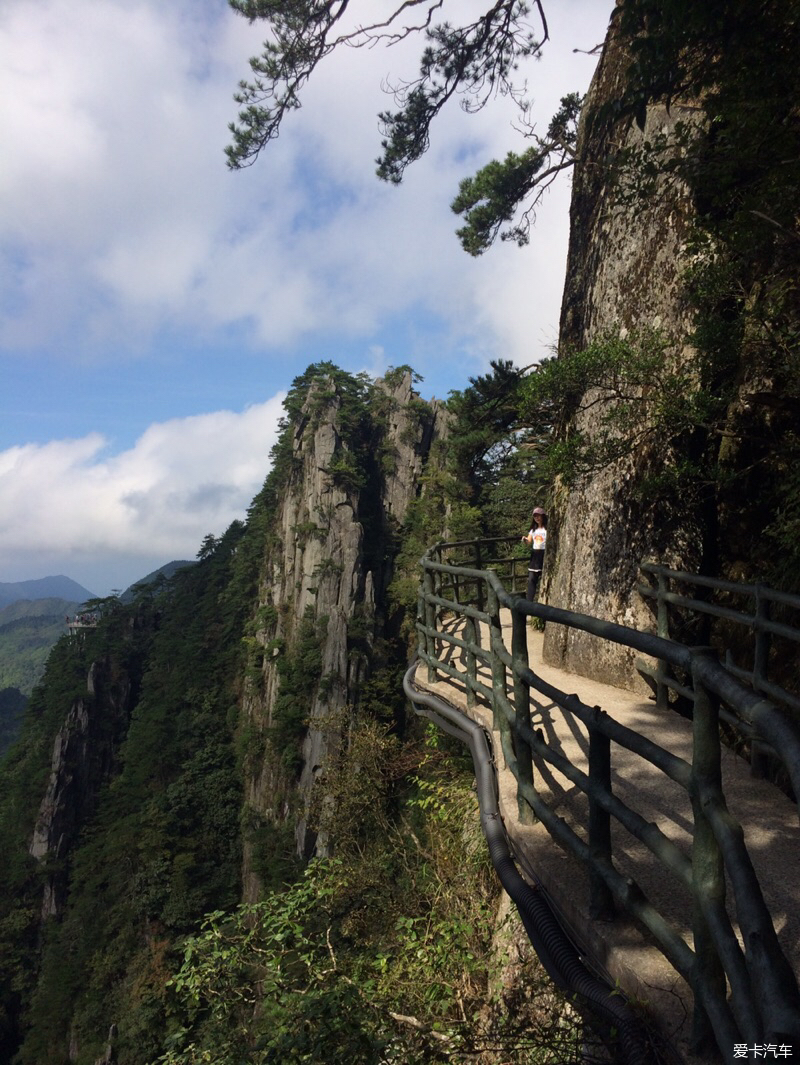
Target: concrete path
(620,948)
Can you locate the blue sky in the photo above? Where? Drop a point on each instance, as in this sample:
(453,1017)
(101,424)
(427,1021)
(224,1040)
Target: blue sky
(154,307)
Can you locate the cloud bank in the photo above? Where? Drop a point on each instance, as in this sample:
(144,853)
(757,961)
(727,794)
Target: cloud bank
(142,280)
(94,515)
(120,219)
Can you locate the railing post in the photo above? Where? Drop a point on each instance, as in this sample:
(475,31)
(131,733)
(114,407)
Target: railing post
(522,712)
(439,647)
(763,639)
(470,629)
(479,599)
(499,720)
(601,901)
(422,643)
(430,624)
(708,871)
(478,565)
(759,760)
(662,622)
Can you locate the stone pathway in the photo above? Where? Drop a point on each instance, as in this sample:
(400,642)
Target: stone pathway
(619,948)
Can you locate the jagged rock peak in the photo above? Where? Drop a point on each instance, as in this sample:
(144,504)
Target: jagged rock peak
(357,451)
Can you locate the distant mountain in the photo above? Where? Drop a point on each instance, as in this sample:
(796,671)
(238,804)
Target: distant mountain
(34,618)
(44,588)
(164,571)
(37,608)
(28,630)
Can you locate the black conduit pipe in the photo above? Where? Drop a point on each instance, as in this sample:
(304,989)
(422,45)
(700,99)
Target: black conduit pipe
(555,951)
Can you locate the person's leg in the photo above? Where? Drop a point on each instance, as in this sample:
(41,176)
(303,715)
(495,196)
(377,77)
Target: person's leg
(533,583)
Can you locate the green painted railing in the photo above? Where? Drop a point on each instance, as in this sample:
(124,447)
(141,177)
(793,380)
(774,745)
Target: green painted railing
(741,994)
(747,611)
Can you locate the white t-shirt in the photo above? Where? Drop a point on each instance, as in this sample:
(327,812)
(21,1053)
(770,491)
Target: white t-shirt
(538,538)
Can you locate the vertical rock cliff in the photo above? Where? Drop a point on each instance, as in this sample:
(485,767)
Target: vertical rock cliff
(683,227)
(354,457)
(623,274)
(85,757)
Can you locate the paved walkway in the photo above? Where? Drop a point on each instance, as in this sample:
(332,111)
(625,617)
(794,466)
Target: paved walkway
(770,822)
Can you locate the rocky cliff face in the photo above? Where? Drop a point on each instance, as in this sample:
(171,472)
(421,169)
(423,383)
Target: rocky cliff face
(328,565)
(623,275)
(84,755)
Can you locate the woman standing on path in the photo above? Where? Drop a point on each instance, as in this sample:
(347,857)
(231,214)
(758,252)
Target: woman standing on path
(537,538)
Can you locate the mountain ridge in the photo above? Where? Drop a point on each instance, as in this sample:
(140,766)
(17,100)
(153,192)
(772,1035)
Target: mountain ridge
(168,570)
(53,587)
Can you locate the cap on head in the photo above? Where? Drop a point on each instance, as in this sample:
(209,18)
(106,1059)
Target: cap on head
(538,510)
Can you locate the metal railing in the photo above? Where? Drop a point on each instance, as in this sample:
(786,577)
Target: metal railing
(740,993)
(755,624)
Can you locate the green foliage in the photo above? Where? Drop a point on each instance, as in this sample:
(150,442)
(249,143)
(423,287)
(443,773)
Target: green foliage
(382,954)
(487,425)
(299,668)
(494,456)
(361,458)
(440,510)
(26,770)
(272,851)
(711,416)
(492,197)
(346,472)
(637,396)
(161,841)
(726,70)
(350,797)
(395,374)
(12,708)
(782,530)
(162,844)
(475,60)
(259,984)
(323,383)
(28,631)
(308,530)
(24,775)
(483,482)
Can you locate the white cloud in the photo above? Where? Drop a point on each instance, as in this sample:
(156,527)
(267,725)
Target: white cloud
(119,217)
(71,499)
(120,226)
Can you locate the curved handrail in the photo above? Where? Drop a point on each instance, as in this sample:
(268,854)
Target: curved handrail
(764,996)
(559,956)
(765,716)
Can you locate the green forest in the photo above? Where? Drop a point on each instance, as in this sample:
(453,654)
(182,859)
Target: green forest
(151,935)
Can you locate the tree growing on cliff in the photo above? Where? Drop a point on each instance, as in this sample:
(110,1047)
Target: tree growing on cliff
(473,61)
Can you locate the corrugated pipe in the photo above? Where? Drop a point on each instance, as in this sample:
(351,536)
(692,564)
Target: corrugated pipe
(555,951)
